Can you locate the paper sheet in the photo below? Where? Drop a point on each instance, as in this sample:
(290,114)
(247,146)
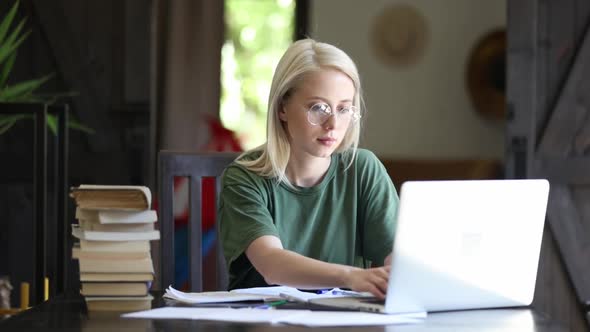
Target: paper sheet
(256,293)
(273,316)
(247,315)
(210,297)
(341,318)
(294,294)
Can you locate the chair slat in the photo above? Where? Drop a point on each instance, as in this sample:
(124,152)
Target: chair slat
(195,166)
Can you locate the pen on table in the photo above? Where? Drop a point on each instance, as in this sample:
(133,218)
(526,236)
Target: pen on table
(345,292)
(316,291)
(337,291)
(269,305)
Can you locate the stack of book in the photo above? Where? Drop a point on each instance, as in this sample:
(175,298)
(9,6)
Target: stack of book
(115,225)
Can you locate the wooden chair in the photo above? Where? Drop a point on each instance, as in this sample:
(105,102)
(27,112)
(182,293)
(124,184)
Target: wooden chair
(194,166)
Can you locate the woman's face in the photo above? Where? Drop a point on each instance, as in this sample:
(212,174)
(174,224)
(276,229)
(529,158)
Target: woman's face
(327,86)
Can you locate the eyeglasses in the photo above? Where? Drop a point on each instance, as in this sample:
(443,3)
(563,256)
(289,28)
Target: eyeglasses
(319,113)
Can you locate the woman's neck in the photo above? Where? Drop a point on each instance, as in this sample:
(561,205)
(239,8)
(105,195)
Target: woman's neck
(307,172)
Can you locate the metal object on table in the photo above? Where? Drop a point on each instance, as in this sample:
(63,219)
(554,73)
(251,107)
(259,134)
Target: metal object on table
(5,290)
(60,268)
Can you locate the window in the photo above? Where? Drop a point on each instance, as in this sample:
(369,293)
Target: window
(257,34)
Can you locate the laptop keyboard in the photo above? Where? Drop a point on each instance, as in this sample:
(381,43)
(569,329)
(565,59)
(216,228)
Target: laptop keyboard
(374,301)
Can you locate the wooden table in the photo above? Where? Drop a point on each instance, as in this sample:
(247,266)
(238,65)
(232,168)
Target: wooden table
(68,313)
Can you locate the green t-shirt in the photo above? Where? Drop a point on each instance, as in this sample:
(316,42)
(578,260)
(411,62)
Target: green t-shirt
(324,222)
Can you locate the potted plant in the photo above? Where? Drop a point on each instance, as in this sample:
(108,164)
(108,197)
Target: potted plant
(12,194)
(23,92)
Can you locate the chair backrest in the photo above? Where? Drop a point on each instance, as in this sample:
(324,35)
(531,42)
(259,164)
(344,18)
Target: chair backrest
(195,167)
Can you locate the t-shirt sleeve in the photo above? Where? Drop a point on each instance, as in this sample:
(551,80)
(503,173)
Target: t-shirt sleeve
(243,213)
(379,202)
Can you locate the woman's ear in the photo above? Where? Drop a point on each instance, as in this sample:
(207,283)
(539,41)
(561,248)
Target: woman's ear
(283,113)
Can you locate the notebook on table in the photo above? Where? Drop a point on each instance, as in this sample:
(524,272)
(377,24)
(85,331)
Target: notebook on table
(462,245)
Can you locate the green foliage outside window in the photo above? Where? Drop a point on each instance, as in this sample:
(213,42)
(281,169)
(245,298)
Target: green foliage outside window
(257,34)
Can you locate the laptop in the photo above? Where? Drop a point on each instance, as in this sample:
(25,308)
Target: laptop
(462,245)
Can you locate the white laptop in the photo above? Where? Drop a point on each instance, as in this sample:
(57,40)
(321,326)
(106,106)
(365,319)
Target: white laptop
(462,245)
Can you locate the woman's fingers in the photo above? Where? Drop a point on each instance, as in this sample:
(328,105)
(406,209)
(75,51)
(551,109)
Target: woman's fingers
(374,289)
(377,292)
(383,272)
(387,261)
(381,281)
(373,280)
(377,279)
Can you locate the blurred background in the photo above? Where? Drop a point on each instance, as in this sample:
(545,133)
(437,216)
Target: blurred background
(141,76)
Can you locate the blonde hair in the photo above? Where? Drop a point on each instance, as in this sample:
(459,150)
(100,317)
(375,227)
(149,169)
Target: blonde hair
(301,57)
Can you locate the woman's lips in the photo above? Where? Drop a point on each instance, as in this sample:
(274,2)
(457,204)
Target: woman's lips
(327,141)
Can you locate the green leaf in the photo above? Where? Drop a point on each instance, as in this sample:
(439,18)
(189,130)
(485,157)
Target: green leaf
(12,93)
(52,123)
(4,127)
(30,98)
(10,40)
(11,45)
(7,21)
(9,118)
(78,126)
(7,121)
(7,69)
(14,34)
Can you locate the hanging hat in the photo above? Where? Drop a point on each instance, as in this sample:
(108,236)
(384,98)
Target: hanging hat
(399,35)
(486,75)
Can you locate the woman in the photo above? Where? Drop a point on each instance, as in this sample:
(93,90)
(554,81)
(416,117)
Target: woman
(307,209)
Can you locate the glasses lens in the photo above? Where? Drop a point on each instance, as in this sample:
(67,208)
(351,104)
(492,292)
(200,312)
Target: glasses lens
(354,113)
(318,114)
(348,114)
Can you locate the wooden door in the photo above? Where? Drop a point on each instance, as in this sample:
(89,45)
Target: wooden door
(548,136)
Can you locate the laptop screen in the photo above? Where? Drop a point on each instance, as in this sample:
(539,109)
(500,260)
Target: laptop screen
(466,244)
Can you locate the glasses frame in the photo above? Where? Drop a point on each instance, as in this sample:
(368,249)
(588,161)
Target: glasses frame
(356,114)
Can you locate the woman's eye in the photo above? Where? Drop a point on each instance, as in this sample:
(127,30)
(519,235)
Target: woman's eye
(321,108)
(344,110)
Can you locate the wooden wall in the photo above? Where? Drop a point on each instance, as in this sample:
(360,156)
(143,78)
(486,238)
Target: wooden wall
(548,119)
(100,51)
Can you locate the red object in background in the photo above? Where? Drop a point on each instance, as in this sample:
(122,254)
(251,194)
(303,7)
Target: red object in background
(221,139)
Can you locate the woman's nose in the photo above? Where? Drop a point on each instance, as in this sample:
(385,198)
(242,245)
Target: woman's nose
(330,122)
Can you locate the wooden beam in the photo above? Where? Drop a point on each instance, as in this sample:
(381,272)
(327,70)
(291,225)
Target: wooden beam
(563,171)
(570,235)
(521,94)
(301,19)
(570,111)
(554,291)
(79,73)
(542,55)
(582,11)
(160,23)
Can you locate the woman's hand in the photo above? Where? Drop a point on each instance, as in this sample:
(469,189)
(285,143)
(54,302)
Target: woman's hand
(387,261)
(284,267)
(372,280)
